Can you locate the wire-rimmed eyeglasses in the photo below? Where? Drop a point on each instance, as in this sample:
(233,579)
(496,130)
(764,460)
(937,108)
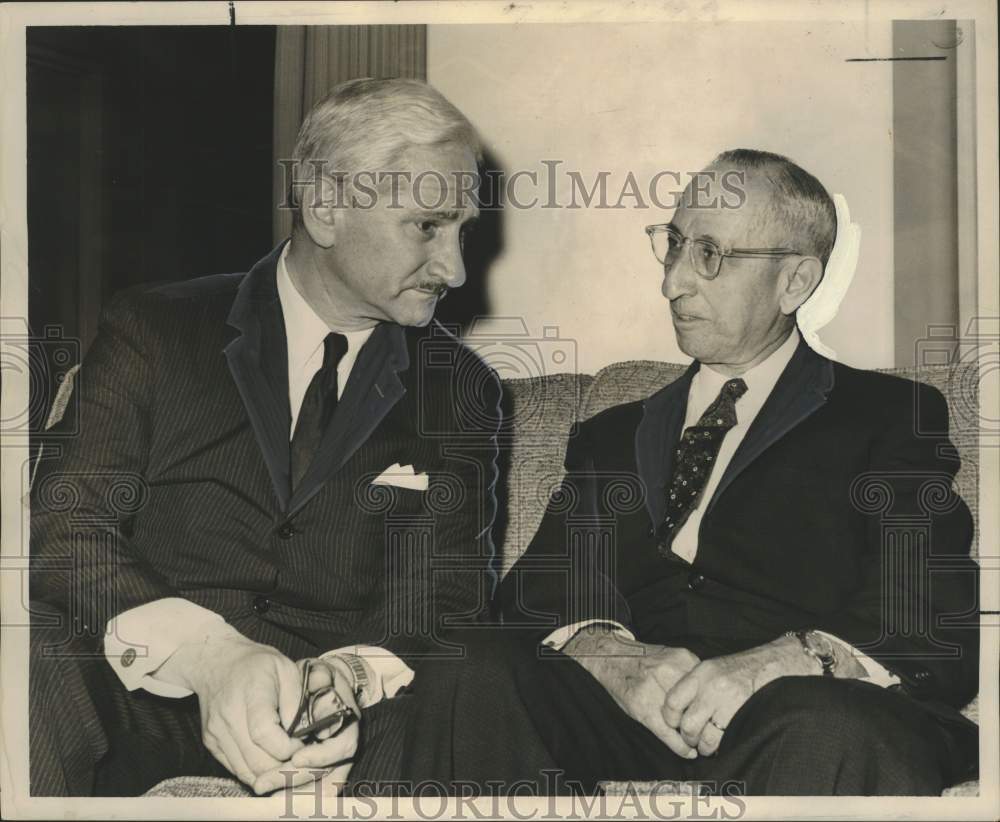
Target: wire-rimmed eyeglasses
(706,256)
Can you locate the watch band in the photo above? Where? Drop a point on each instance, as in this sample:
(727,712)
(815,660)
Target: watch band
(827,661)
(360,673)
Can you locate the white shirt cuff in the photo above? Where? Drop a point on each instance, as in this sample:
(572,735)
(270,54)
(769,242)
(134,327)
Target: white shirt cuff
(559,637)
(138,641)
(391,673)
(877,674)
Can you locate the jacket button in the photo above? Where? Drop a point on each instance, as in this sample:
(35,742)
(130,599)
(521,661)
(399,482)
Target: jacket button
(696,582)
(261,604)
(286,530)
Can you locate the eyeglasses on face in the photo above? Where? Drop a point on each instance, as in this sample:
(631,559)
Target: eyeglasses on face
(705,255)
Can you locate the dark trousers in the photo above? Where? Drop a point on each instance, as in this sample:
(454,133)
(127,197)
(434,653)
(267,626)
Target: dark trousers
(462,721)
(796,736)
(501,717)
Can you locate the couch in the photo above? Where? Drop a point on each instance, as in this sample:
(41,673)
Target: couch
(538,414)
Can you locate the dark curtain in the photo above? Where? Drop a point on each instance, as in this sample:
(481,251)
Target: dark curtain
(310,60)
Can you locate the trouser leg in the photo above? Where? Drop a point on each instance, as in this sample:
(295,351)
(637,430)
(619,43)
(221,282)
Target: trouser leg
(590,738)
(817,736)
(380,743)
(460,727)
(470,726)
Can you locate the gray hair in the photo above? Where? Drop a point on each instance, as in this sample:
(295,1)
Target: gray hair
(365,125)
(801,203)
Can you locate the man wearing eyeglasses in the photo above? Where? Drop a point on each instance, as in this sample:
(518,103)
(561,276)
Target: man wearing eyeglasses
(747,626)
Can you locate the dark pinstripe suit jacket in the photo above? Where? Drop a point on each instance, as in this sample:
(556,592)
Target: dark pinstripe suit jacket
(178,484)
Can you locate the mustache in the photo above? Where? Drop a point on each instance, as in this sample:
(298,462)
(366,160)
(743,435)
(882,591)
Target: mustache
(439,289)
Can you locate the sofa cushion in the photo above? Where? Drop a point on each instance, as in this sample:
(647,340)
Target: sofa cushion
(627,381)
(538,415)
(200,786)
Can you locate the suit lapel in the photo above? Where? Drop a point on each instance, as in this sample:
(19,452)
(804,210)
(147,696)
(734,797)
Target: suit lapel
(802,388)
(658,431)
(373,388)
(258,361)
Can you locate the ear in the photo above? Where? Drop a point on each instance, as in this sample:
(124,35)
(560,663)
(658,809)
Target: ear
(799,281)
(322,212)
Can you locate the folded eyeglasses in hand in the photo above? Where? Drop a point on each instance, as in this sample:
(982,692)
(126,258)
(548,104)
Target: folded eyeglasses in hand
(322,713)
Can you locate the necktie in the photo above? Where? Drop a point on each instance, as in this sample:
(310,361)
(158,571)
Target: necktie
(695,458)
(317,409)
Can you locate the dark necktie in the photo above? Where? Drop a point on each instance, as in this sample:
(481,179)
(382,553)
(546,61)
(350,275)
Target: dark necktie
(317,409)
(694,459)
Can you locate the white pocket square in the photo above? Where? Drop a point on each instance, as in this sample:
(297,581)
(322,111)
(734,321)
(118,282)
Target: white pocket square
(402,476)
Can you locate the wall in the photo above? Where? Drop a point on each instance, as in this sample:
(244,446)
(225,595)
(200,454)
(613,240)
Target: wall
(654,97)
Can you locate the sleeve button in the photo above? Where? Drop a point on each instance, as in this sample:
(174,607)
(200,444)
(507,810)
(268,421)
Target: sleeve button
(128,657)
(261,605)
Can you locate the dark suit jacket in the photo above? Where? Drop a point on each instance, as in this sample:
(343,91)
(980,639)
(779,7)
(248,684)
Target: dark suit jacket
(178,484)
(833,514)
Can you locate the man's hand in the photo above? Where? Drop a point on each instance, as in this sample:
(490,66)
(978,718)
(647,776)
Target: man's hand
(333,753)
(703,702)
(637,676)
(247,693)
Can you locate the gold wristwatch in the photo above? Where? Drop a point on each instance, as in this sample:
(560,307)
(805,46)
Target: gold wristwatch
(817,646)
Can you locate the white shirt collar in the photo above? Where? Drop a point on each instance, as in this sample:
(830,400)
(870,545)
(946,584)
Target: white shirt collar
(760,381)
(305,330)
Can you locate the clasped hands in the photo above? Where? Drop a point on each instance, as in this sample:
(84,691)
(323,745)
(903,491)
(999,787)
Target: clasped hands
(686,702)
(271,722)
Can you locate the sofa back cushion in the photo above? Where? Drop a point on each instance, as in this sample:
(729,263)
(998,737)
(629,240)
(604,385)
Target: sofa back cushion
(538,414)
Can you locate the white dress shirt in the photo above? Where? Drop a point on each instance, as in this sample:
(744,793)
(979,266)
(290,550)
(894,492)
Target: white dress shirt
(705,387)
(149,634)
(304,333)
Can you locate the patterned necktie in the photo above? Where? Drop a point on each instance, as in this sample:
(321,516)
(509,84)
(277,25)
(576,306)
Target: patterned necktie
(317,409)
(695,458)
